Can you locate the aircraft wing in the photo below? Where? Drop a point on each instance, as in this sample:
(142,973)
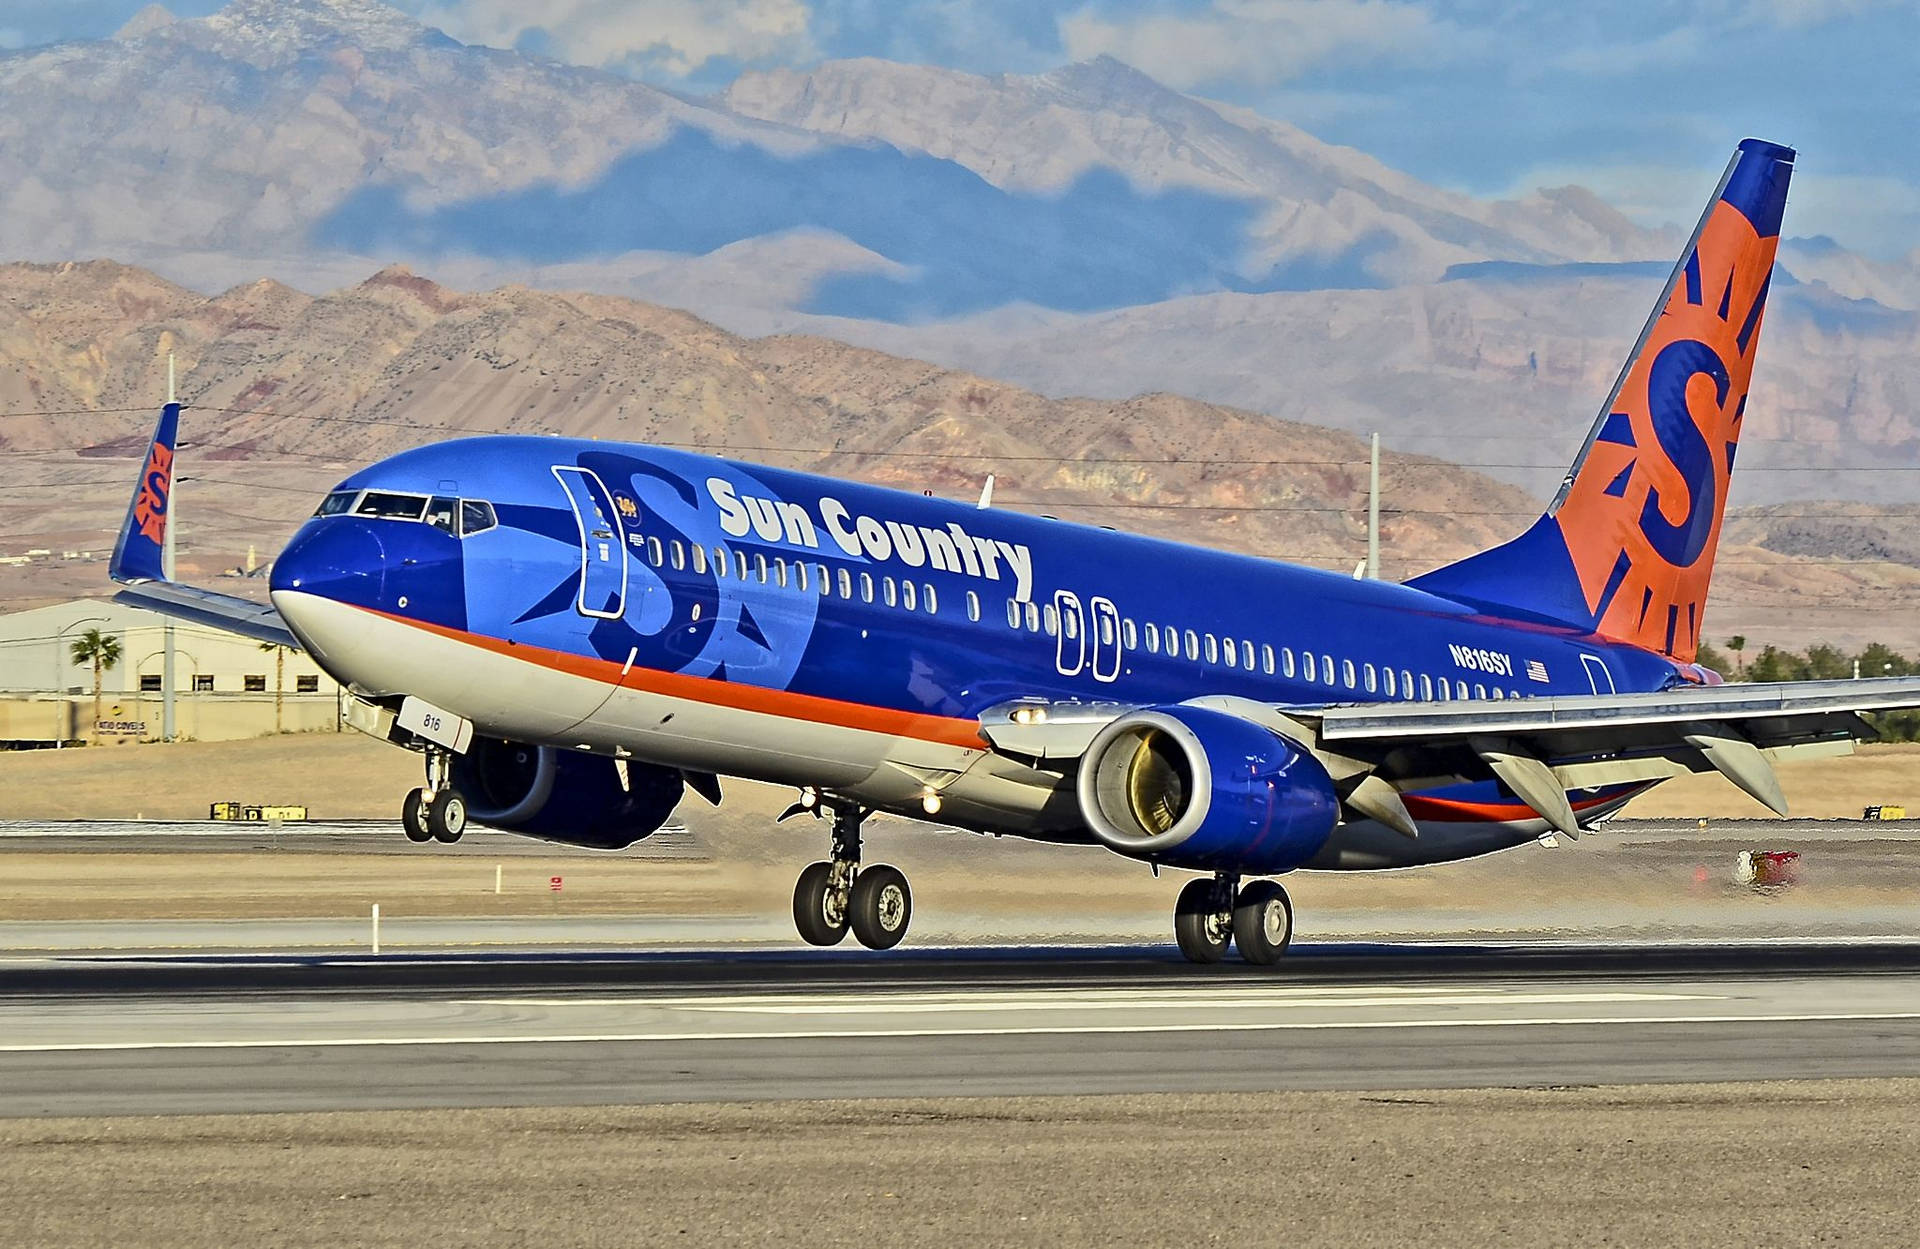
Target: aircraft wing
(139,561)
(1539,747)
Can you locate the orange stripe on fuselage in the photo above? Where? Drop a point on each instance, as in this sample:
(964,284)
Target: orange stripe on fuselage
(945,730)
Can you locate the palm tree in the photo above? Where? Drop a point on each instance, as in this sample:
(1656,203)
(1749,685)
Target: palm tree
(103,652)
(279,683)
(1738,645)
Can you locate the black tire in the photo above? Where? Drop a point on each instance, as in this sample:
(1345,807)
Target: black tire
(447,816)
(1263,923)
(413,816)
(814,912)
(881,907)
(1197,926)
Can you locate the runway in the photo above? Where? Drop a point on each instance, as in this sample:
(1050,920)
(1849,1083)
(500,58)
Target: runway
(112,1036)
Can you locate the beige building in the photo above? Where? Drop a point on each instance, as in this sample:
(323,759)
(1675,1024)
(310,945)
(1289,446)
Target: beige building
(225,686)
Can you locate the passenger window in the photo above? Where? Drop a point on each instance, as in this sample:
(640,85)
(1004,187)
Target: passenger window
(1460,689)
(800,578)
(780,573)
(700,559)
(1213,649)
(866,587)
(1193,646)
(1266,658)
(1426,688)
(907,595)
(1129,636)
(1070,625)
(1286,661)
(476,516)
(932,601)
(1033,618)
(1406,684)
(1306,666)
(1346,671)
(1051,618)
(1386,675)
(1326,669)
(720,562)
(440,514)
(826,579)
(973,604)
(846,584)
(391,506)
(654,554)
(677,554)
(741,566)
(1106,630)
(759,569)
(1232,653)
(1479,691)
(1153,637)
(1368,672)
(1498,693)
(1013,613)
(887,592)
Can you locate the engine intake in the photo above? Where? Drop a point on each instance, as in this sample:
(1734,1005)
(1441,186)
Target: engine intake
(1196,788)
(574,799)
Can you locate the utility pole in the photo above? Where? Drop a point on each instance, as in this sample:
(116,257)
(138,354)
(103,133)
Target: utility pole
(1373,513)
(172,522)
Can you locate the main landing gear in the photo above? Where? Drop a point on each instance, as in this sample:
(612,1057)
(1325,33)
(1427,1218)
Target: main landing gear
(832,897)
(436,812)
(1213,914)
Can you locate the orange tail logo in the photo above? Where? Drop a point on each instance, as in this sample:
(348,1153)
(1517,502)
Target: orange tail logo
(1642,518)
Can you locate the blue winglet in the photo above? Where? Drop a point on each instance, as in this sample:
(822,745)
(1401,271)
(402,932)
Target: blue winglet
(139,553)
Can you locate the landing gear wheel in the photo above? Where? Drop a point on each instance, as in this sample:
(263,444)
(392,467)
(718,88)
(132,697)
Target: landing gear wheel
(1262,923)
(1202,931)
(880,907)
(447,816)
(819,910)
(413,816)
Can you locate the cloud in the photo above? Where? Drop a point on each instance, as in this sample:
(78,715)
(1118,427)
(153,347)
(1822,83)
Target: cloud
(1256,43)
(663,38)
(1803,13)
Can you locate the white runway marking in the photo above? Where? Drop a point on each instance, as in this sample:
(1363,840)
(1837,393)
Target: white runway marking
(910,1033)
(881,1004)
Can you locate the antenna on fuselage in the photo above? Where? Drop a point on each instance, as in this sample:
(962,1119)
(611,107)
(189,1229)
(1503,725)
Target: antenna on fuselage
(986,493)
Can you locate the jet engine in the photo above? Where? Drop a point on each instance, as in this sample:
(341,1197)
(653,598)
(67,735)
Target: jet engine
(555,795)
(1196,788)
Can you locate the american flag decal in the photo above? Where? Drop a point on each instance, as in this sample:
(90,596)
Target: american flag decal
(1536,671)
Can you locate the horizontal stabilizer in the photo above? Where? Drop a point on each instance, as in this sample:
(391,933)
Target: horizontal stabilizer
(218,611)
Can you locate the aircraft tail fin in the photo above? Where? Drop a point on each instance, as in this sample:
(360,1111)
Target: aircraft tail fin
(140,552)
(1627,546)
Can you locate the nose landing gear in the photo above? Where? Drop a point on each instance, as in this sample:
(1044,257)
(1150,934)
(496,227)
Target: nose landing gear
(436,812)
(1212,914)
(838,895)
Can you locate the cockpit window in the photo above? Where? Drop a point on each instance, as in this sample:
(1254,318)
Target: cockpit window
(476,516)
(336,503)
(391,506)
(440,513)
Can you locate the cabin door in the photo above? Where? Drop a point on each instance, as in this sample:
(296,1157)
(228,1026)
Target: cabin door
(603,548)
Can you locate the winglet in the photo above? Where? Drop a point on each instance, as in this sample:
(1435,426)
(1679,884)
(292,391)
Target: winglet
(140,553)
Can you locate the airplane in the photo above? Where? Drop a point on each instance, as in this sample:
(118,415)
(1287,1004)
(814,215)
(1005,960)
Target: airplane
(573,633)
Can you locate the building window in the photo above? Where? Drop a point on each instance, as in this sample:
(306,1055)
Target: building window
(311,684)
(150,684)
(253,684)
(202,684)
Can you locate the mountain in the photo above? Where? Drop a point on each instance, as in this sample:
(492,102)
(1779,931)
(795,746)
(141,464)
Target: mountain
(289,392)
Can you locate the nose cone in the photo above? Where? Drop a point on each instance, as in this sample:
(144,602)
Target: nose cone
(332,560)
(336,557)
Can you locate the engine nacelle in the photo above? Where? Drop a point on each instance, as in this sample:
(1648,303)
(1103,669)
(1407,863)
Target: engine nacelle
(557,795)
(1196,788)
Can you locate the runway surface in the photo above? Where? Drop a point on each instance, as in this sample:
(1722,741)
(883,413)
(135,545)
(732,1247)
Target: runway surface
(117,1036)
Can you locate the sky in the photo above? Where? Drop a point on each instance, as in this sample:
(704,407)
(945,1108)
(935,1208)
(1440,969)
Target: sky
(1493,97)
